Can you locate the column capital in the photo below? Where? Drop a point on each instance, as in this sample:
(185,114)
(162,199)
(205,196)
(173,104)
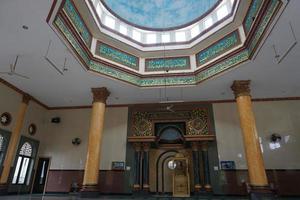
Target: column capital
(195,146)
(146,146)
(26,98)
(204,146)
(241,88)
(137,146)
(100,94)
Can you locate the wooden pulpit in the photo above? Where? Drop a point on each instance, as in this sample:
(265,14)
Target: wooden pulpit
(181,178)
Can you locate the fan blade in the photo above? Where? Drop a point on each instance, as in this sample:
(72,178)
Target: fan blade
(20,75)
(15,64)
(53,65)
(5,73)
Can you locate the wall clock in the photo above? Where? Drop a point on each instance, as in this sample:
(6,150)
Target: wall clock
(32,129)
(5,119)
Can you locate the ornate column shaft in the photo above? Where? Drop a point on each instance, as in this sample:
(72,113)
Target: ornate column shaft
(91,172)
(14,140)
(196,168)
(137,164)
(256,168)
(207,184)
(146,148)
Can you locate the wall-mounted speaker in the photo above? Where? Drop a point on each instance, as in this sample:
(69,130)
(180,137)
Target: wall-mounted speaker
(55,120)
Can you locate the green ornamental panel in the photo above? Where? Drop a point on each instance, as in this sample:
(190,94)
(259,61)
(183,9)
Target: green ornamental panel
(59,23)
(163,64)
(132,61)
(253,10)
(78,22)
(227,43)
(273,6)
(117,55)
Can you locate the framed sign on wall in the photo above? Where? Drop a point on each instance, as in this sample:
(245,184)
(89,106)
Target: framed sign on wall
(118,165)
(227,165)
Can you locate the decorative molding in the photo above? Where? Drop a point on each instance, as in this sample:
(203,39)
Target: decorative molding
(229,61)
(5,119)
(170,63)
(218,48)
(198,124)
(252,14)
(142,126)
(100,94)
(213,7)
(71,11)
(26,98)
(11,86)
(268,16)
(241,88)
(117,55)
(97,20)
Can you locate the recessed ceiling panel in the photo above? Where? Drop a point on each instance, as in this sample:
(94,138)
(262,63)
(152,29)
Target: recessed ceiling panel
(160,14)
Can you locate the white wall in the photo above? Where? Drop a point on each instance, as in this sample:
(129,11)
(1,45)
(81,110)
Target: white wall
(281,117)
(10,102)
(75,123)
(55,139)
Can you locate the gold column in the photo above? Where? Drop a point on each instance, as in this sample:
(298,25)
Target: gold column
(14,139)
(91,172)
(256,168)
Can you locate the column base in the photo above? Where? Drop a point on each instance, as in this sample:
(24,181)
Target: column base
(3,188)
(146,187)
(197,188)
(136,187)
(89,191)
(208,188)
(261,192)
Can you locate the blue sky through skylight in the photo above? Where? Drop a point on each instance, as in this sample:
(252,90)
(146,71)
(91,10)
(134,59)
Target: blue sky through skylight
(160,13)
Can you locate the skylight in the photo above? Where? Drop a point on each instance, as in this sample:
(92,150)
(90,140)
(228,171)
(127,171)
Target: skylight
(123,29)
(165,37)
(136,35)
(208,22)
(150,37)
(180,36)
(195,31)
(222,12)
(110,22)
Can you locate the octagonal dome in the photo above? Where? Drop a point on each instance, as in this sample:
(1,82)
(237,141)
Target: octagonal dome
(160,14)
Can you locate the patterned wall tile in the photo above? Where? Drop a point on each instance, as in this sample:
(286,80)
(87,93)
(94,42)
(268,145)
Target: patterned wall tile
(118,56)
(78,22)
(163,64)
(225,44)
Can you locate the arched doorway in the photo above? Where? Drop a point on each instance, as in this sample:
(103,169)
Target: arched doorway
(22,174)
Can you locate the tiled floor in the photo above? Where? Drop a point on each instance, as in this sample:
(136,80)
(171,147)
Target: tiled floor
(68,197)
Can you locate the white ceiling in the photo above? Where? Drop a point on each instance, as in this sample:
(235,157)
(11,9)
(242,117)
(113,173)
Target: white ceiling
(269,79)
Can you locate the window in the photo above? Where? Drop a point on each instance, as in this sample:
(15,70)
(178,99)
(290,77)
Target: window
(23,164)
(151,38)
(180,36)
(1,143)
(136,35)
(165,37)
(222,12)
(1,149)
(195,31)
(208,22)
(123,29)
(110,22)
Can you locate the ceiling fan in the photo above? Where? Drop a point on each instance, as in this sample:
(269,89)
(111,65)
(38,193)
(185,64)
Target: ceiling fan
(13,72)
